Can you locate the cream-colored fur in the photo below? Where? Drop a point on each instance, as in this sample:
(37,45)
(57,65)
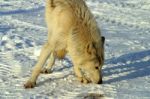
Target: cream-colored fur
(72,29)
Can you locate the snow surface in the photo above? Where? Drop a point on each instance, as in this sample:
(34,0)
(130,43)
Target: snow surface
(126,73)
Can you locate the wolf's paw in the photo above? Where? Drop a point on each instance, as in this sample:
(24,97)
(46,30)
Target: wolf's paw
(83,80)
(29,84)
(46,71)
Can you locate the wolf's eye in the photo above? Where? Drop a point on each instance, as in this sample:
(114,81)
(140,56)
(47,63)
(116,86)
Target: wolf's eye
(96,68)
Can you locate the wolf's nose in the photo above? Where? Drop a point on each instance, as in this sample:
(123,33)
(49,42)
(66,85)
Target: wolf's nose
(100,81)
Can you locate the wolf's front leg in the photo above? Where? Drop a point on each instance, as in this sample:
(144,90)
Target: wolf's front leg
(45,52)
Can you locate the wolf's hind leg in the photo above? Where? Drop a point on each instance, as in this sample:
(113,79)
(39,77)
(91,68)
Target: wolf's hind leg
(51,61)
(60,54)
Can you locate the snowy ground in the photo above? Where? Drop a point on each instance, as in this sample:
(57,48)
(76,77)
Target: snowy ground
(124,23)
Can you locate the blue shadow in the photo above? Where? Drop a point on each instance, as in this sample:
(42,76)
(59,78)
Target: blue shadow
(20,11)
(4,29)
(138,66)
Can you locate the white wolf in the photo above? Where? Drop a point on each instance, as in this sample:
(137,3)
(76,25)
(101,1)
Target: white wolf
(72,29)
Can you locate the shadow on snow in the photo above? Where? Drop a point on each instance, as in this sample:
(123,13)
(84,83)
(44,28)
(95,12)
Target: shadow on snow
(133,65)
(20,11)
(4,29)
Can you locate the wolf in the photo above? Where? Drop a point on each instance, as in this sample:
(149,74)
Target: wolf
(72,30)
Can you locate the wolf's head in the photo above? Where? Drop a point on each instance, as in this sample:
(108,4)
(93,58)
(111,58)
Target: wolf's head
(92,66)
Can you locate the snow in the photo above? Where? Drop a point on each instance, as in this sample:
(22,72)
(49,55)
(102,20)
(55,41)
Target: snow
(126,73)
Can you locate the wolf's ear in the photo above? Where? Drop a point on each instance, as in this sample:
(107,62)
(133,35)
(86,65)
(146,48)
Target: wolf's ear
(103,40)
(90,48)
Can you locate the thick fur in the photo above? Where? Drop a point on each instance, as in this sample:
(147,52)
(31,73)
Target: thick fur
(72,29)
